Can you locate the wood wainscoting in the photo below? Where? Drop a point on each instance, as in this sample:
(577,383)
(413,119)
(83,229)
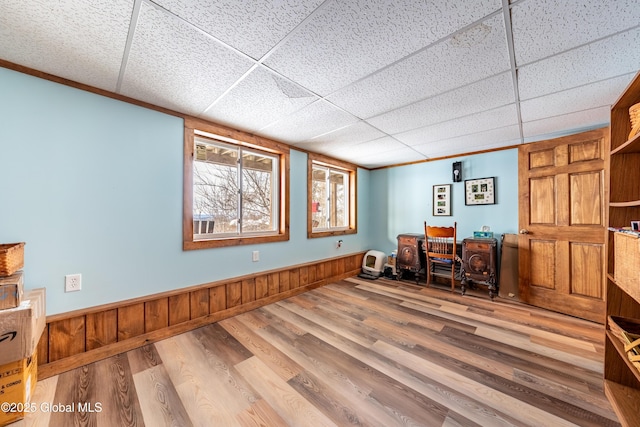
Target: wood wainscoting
(81,337)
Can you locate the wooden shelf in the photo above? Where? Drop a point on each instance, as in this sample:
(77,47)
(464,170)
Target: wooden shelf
(621,377)
(625,402)
(631,146)
(630,204)
(623,354)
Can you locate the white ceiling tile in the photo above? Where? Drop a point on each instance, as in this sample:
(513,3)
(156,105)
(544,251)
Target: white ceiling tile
(397,75)
(350,135)
(323,147)
(473,55)
(399,156)
(173,65)
(601,60)
(348,40)
(484,95)
(77,40)
(587,97)
(369,148)
(315,119)
(495,138)
(252,27)
(568,123)
(545,27)
(268,97)
(486,120)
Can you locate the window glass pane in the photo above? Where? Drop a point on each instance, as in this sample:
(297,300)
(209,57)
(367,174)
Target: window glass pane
(319,198)
(215,189)
(259,174)
(338,190)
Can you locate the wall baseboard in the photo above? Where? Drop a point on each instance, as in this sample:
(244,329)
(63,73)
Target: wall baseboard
(77,338)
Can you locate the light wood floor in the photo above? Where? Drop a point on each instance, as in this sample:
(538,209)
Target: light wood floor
(357,352)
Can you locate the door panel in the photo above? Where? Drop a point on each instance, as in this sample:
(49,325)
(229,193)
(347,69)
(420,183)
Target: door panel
(540,159)
(587,150)
(543,254)
(562,222)
(587,261)
(586,198)
(543,192)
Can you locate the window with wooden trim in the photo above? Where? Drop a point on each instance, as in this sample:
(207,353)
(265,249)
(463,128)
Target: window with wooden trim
(235,190)
(331,192)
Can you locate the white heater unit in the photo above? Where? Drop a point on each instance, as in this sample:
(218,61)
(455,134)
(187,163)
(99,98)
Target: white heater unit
(373,264)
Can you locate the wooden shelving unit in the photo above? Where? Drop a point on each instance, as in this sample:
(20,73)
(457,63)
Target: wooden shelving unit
(621,377)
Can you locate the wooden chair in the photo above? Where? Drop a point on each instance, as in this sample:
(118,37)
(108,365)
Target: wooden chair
(440,249)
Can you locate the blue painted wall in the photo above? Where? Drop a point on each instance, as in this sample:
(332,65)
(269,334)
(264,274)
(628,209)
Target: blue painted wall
(94,186)
(402,197)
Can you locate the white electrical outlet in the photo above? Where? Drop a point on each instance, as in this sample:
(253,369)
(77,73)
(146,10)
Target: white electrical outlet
(255,256)
(72,282)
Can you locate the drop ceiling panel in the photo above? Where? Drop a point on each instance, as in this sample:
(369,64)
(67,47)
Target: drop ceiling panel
(399,156)
(479,52)
(173,65)
(548,128)
(77,40)
(347,40)
(587,97)
(597,61)
(378,146)
(484,95)
(252,27)
(545,27)
(486,120)
(495,138)
(413,73)
(350,135)
(314,120)
(261,98)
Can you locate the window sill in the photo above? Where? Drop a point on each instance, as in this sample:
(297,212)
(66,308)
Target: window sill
(329,233)
(233,241)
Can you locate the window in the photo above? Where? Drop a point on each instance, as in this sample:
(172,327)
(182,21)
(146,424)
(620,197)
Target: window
(332,197)
(235,191)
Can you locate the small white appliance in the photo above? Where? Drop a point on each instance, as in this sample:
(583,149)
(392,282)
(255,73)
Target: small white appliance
(372,264)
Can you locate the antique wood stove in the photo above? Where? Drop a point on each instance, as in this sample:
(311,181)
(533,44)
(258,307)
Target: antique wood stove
(411,257)
(479,258)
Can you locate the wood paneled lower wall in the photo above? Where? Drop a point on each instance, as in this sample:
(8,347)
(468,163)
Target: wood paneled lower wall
(77,338)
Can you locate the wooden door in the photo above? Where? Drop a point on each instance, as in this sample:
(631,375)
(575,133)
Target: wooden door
(562,221)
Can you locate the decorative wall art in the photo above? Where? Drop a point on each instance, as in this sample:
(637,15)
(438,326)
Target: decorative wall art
(480,191)
(442,200)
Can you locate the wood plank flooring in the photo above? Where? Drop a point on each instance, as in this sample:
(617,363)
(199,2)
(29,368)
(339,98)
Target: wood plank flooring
(352,353)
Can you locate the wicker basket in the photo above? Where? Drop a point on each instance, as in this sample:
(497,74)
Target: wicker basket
(628,332)
(11,258)
(634,116)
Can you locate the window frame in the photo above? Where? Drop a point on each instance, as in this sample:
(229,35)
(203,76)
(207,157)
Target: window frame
(234,137)
(352,171)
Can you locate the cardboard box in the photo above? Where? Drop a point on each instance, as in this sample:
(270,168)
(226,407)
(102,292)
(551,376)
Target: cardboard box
(11,290)
(17,385)
(627,254)
(21,327)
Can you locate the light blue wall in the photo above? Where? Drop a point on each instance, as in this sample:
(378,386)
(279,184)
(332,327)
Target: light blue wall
(402,197)
(94,186)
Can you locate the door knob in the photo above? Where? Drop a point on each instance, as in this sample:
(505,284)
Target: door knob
(524,231)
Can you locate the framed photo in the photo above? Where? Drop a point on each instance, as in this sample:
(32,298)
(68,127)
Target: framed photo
(442,200)
(480,191)
(635,225)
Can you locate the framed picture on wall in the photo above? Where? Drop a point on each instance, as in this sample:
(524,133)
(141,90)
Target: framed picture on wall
(480,191)
(442,200)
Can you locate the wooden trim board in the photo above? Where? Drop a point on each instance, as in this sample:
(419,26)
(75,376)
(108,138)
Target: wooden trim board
(81,337)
